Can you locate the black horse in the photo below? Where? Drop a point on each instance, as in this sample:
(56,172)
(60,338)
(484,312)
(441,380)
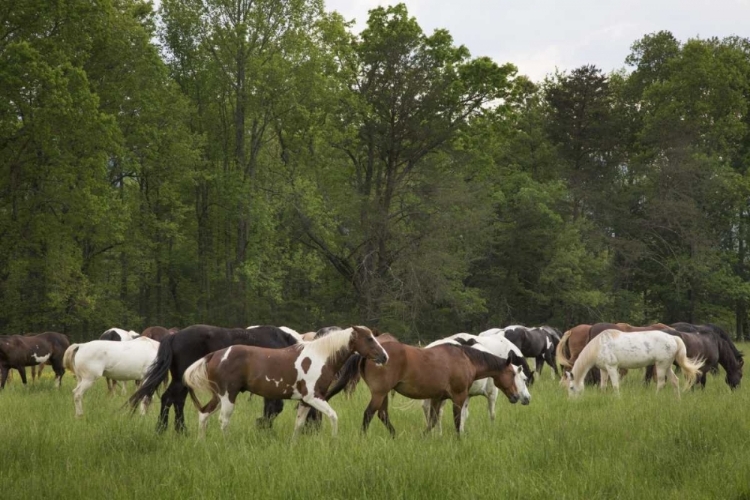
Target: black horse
(177,352)
(716,348)
(535,343)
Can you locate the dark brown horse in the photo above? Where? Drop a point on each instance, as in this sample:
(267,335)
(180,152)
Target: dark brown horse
(713,345)
(303,372)
(438,373)
(19,351)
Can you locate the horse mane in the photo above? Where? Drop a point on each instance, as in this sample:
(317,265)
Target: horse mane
(331,346)
(490,361)
(725,339)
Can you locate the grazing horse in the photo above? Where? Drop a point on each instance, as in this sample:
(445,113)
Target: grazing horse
(613,349)
(157,333)
(302,372)
(534,343)
(114,360)
(19,351)
(498,346)
(177,352)
(438,373)
(714,345)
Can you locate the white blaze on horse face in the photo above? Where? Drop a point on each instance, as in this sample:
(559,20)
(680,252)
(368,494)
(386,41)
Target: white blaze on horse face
(523,389)
(41,359)
(226,355)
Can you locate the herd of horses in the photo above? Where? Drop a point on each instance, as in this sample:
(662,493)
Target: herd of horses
(277,363)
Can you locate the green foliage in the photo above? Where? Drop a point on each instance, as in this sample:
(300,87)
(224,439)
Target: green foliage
(263,164)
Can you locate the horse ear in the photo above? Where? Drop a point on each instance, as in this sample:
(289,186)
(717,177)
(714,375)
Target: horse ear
(375,332)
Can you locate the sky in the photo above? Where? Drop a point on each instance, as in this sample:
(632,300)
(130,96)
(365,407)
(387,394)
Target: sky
(539,36)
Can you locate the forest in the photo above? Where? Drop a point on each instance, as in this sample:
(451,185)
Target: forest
(241,162)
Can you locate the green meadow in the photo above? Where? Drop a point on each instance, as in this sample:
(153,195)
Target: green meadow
(639,445)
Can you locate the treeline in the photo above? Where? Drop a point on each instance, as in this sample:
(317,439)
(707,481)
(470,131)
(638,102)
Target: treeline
(247,162)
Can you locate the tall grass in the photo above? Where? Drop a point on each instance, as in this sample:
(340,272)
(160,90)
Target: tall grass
(640,445)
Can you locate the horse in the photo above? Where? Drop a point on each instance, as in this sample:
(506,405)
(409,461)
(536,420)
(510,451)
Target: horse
(534,343)
(177,352)
(302,372)
(613,349)
(438,373)
(114,360)
(575,340)
(157,333)
(117,335)
(714,345)
(19,351)
(498,346)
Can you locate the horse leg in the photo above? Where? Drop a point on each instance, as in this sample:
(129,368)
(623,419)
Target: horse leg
(603,380)
(427,410)
(614,376)
(22,372)
(271,409)
(227,408)
(434,409)
(661,375)
(4,372)
(492,400)
(167,400)
(539,364)
(649,375)
(674,380)
(59,370)
(179,408)
(205,412)
(376,400)
(549,357)
(383,416)
(322,406)
(78,392)
(302,411)
(459,401)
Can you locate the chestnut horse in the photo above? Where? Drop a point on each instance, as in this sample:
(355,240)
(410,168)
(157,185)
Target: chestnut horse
(157,333)
(303,372)
(19,351)
(438,373)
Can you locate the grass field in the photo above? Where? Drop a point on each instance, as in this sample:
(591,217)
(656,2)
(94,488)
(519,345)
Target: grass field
(640,445)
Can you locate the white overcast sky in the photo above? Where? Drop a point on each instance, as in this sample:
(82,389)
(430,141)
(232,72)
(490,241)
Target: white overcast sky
(540,35)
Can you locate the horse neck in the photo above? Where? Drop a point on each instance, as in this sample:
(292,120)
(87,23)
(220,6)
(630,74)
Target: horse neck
(727,358)
(586,360)
(335,348)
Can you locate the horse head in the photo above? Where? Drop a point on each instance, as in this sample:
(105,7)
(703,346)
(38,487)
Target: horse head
(509,382)
(364,343)
(574,388)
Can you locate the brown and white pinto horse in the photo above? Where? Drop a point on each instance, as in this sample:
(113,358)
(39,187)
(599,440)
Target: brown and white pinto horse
(436,373)
(303,372)
(19,351)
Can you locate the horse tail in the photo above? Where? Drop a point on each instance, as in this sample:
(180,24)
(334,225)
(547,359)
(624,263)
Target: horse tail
(196,379)
(156,373)
(562,346)
(347,374)
(690,367)
(69,358)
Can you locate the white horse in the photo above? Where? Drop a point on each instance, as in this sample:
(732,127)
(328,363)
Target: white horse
(114,360)
(500,347)
(117,335)
(613,349)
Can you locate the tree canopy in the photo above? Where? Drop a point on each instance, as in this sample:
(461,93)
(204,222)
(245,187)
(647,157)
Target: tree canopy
(244,162)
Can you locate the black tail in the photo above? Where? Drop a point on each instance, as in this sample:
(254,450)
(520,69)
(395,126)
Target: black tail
(348,372)
(155,374)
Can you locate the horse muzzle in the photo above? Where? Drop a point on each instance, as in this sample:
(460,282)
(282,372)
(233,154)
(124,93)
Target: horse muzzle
(381,359)
(513,398)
